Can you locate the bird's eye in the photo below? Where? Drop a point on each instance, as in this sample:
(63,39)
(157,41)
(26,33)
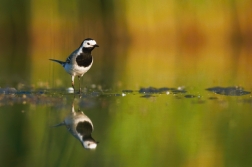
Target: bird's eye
(88,43)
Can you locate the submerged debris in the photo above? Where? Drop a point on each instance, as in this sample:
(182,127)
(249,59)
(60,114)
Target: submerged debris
(212,98)
(147,96)
(229,91)
(189,96)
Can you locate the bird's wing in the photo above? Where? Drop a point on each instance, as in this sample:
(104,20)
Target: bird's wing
(71,57)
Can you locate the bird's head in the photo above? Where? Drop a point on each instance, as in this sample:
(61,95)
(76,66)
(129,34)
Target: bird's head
(89,144)
(89,43)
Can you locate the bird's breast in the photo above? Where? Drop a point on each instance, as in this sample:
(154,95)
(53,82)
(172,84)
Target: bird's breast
(84,59)
(76,70)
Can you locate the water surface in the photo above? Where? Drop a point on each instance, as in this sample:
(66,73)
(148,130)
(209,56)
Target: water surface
(145,127)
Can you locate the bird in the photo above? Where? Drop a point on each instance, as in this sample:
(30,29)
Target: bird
(81,127)
(80,61)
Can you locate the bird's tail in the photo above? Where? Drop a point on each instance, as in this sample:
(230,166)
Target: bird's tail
(60,124)
(58,61)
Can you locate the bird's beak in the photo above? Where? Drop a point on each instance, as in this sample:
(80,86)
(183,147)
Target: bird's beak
(96,45)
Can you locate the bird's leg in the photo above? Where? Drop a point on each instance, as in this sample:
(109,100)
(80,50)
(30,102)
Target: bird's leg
(79,83)
(73,82)
(73,110)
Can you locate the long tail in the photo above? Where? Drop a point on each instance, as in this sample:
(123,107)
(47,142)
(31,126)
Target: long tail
(58,61)
(60,124)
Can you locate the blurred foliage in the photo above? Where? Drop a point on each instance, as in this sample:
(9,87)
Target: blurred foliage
(33,31)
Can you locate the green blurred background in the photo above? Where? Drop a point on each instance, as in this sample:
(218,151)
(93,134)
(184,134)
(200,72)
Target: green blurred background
(196,44)
(162,39)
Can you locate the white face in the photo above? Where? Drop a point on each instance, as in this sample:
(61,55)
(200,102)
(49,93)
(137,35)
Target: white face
(89,144)
(89,43)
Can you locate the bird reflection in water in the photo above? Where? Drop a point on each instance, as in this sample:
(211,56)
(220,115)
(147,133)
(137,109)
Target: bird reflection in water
(81,127)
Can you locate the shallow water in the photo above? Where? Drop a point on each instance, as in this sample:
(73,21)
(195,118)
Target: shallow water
(145,127)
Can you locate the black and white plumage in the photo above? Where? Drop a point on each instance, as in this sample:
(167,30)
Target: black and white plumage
(80,61)
(81,127)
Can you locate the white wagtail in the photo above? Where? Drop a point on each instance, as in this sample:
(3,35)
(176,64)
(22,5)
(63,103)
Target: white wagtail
(81,127)
(80,61)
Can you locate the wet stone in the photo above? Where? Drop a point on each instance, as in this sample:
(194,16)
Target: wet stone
(164,89)
(149,90)
(153,90)
(229,91)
